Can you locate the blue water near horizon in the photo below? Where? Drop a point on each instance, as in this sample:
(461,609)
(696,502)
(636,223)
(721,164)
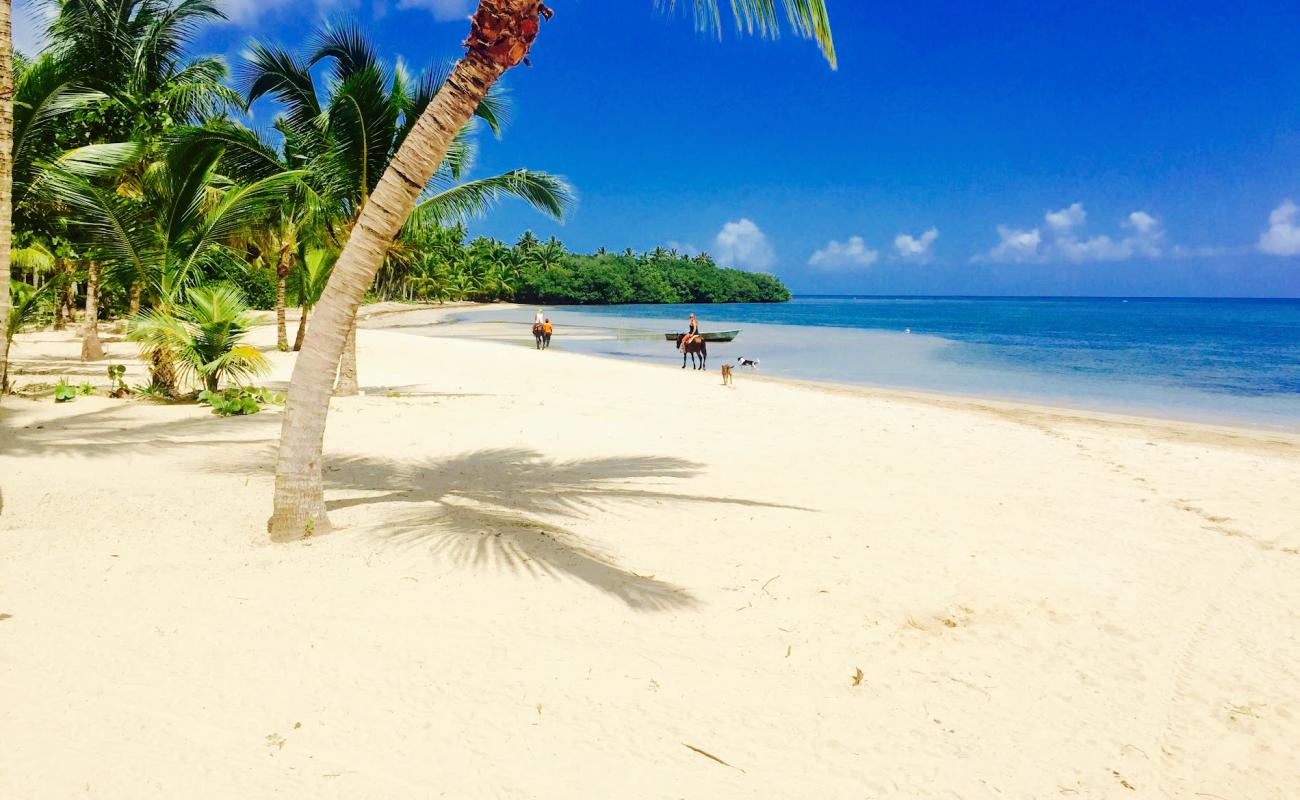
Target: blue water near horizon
(1231,360)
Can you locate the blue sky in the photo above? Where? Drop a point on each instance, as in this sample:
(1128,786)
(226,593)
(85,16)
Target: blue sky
(1010,148)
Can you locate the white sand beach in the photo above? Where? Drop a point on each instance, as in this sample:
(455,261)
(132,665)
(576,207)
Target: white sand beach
(559,576)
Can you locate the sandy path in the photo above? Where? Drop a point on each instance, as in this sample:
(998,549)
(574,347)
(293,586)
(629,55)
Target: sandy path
(552,581)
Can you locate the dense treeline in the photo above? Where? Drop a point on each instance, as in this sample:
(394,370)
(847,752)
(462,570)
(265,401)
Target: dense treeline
(441,266)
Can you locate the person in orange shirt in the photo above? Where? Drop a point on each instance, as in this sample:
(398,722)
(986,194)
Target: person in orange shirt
(546,333)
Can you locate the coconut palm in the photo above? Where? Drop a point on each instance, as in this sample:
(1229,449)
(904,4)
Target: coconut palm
(202,338)
(6,175)
(350,132)
(177,231)
(133,52)
(501,33)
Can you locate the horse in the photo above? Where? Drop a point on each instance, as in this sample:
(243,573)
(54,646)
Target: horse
(695,346)
(539,334)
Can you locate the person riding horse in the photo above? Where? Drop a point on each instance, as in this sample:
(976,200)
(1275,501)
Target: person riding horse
(692,330)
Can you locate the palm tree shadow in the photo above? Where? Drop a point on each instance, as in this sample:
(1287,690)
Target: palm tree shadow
(497,509)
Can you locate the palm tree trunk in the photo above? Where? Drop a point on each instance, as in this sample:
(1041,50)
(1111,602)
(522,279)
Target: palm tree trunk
(133,297)
(91,348)
(302,329)
(60,302)
(6,178)
(63,310)
(501,33)
(282,268)
(346,385)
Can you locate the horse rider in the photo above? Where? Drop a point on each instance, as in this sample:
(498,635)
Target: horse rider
(692,330)
(539,318)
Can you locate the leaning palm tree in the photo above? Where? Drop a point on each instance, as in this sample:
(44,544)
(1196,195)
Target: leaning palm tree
(501,33)
(349,133)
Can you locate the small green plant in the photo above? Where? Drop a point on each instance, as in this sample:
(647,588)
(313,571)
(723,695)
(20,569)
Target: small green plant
(116,386)
(239,401)
(86,389)
(153,391)
(64,392)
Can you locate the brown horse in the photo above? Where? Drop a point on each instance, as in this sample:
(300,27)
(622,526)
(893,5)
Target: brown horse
(695,346)
(539,334)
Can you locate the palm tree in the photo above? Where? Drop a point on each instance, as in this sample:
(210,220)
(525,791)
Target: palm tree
(178,230)
(501,33)
(6,176)
(202,337)
(307,281)
(350,134)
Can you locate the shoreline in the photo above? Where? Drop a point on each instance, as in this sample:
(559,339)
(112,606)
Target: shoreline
(446,319)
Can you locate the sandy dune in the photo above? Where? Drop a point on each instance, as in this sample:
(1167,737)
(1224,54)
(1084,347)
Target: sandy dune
(554,578)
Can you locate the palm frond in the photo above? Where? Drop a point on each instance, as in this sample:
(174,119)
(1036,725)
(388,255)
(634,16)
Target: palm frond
(284,76)
(547,193)
(807,18)
(116,230)
(25,303)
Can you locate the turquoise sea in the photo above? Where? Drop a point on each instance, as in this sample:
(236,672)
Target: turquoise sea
(1214,360)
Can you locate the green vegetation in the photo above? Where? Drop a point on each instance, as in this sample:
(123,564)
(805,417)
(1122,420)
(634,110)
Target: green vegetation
(239,401)
(441,266)
(138,194)
(200,340)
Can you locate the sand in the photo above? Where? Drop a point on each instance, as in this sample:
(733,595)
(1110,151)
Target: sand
(557,576)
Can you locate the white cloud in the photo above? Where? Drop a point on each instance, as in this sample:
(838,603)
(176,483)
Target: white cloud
(1064,244)
(1066,218)
(1015,246)
(915,248)
(742,244)
(442,10)
(853,254)
(1283,235)
(1142,222)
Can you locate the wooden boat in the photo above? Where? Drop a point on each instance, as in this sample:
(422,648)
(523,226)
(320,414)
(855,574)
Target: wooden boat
(713,336)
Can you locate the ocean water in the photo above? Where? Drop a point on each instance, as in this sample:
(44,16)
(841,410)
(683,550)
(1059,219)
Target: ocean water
(1211,360)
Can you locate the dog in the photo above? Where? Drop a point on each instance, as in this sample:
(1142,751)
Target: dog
(726,374)
(752,363)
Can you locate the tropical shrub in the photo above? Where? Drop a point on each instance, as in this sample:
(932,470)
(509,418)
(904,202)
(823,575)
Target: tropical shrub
(202,339)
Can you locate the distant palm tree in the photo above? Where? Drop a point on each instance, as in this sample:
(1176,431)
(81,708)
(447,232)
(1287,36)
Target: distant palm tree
(501,33)
(307,281)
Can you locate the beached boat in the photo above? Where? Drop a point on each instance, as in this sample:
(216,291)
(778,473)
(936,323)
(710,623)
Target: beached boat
(714,336)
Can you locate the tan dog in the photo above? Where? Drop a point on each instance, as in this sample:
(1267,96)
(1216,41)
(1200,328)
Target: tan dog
(726,374)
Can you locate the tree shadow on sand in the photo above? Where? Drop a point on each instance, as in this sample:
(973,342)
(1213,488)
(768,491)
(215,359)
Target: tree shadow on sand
(496,509)
(107,430)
